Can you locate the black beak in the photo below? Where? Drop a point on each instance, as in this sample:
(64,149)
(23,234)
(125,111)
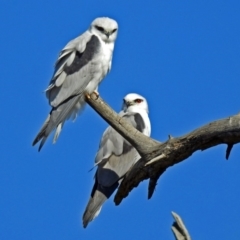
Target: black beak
(107,34)
(128,104)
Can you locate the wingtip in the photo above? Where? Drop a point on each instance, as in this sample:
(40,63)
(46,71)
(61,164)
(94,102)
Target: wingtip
(36,140)
(85,225)
(41,144)
(84,220)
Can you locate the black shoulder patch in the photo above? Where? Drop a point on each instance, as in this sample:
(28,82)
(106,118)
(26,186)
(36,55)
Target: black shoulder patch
(126,147)
(139,121)
(106,190)
(81,59)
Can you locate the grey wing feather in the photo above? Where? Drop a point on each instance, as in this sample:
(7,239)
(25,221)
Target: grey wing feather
(77,65)
(98,196)
(93,208)
(114,158)
(75,69)
(136,120)
(67,55)
(56,119)
(115,153)
(113,143)
(107,180)
(116,167)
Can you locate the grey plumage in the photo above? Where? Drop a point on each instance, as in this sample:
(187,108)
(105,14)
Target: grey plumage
(116,156)
(79,69)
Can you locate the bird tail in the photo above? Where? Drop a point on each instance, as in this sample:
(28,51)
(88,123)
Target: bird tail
(99,195)
(57,117)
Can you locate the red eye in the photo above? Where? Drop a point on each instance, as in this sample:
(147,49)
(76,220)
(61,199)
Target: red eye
(138,100)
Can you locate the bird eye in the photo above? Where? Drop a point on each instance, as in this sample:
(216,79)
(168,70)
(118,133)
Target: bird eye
(138,100)
(99,28)
(114,30)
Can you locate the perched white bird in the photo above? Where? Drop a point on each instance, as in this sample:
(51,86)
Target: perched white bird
(115,155)
(79,69)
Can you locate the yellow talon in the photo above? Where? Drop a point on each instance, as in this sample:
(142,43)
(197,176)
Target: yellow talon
(96,94)
(87,96)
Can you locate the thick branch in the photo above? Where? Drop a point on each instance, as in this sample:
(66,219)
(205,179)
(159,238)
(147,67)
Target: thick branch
(176,150)
(157,157)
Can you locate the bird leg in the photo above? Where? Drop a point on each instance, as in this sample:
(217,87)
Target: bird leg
(96,94)
(88,96)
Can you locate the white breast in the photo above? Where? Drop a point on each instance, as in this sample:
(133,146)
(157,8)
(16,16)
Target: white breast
(147,130)
(107,50)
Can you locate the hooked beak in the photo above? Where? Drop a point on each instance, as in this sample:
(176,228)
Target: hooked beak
(107,33)
(129,103)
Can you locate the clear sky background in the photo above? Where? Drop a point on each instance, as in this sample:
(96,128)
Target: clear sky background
(183,56)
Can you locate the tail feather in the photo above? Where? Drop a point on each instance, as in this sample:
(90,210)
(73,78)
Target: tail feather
(42,131)
(93,208)
(99,195)
(56,119)
(57,133)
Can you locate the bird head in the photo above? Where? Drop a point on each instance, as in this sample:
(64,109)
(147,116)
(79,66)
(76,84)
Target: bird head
(133,102)
(106,28)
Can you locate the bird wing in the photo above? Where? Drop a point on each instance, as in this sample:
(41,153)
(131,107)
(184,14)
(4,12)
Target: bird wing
(116,156)
(78,63)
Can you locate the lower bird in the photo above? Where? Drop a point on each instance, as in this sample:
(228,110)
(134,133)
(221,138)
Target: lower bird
(115,155)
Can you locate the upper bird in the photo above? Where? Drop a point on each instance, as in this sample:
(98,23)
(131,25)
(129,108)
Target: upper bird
(79,69)
(115,155)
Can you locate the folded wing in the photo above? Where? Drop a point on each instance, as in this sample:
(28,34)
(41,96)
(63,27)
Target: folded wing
(114,158)
(78,64)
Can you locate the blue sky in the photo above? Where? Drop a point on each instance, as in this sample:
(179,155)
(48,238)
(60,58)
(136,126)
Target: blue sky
(183,56)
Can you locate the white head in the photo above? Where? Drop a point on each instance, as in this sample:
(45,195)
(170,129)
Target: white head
(106,28)
(133,102)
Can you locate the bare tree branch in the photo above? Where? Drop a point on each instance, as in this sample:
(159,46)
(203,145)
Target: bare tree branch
(156,156)
(228,151)
(179,229)
(153,182)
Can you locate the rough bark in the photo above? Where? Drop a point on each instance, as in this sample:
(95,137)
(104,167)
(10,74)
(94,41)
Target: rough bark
(156,156)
